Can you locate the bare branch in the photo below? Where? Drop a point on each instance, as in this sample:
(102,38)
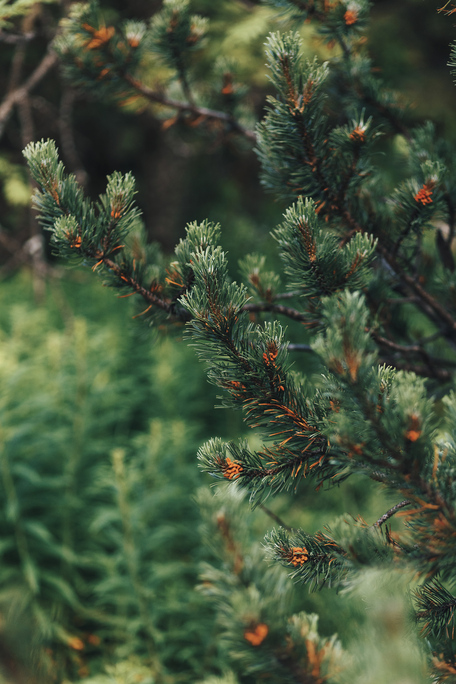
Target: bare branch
(413,349)
(275,517)
(18,95)
(154,96)
(438,373)
(391,512)
(425,298)
(300,347)
(16,38)
(276,308)
(69,149)
(287,295)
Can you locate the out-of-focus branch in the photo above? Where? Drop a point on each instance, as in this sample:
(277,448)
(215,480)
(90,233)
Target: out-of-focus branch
(391,512)
(65,122)
(204,112)
(18,95)
(16,38)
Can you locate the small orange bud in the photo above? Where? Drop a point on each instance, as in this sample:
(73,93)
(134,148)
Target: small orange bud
(257,635)
(413,435)
(299,555)
(231,469)
(414,429)
(227,88)
(424,196)
(350,17)
(358,135)
(100,37)
(76,643)
(94,639)
(74,240)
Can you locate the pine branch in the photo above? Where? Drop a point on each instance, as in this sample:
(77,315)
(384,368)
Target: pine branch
(426,302)
(387,113)
(436,608)
(190,107)
(151,298)
(316,559)
(330,202)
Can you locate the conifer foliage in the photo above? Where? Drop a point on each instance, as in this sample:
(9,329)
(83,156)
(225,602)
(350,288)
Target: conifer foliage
(370,279)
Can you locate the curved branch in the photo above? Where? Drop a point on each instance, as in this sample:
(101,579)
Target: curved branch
(437,373)
(431,362)
(427,299)
(386,516)
(18,95)
(154,96)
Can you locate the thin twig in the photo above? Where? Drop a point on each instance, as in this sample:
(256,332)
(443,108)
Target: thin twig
(431,338)
(417,350)
(438,373)
(275,517)
(391,512)
(300,347)
(16,38)
(69,148)
(402,300)
(401,348)
(389,115)
(426,302)
(276,308)
(154,96)
(25,116)
(287,295)
(414,285)
(19,94)
(344,47)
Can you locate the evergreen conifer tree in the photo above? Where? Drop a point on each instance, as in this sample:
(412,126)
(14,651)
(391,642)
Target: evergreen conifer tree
(370,295)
